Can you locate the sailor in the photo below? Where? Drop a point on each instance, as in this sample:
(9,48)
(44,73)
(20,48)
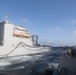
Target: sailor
(73,52)
(69,51)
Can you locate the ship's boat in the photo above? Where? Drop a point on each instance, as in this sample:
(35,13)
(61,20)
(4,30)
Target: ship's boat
(26,35)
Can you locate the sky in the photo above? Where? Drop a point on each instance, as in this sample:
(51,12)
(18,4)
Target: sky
(54,21)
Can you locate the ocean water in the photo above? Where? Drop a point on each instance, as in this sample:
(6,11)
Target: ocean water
(34,65)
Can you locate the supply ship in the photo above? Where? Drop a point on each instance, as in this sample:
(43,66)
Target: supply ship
(16,40)
(18,46)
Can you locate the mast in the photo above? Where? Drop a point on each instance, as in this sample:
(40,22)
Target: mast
(6,17)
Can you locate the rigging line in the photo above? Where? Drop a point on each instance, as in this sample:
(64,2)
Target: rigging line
(34,50)
(17,47)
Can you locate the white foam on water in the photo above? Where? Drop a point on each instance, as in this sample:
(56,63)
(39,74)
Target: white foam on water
(15,60)
(55,65)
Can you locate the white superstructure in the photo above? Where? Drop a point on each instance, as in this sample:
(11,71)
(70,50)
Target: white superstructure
(12,35)
(16,40)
